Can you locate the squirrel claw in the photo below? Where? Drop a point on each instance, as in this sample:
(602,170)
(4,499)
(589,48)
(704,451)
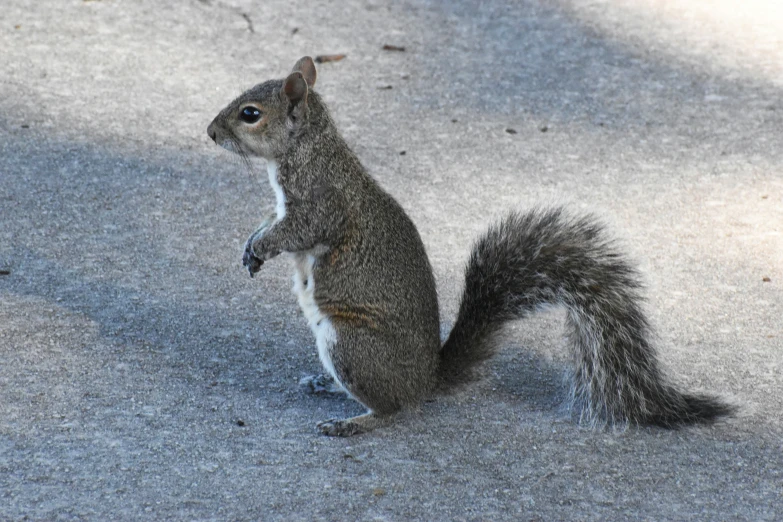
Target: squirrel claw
(339,428)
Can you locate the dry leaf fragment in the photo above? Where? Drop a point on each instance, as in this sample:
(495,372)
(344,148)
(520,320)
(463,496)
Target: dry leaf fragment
(766,279)
(323,58)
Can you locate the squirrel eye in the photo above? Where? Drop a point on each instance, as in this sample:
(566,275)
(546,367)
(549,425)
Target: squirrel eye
(250,115)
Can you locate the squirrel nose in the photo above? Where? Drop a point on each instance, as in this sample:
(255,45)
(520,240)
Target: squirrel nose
(212,133)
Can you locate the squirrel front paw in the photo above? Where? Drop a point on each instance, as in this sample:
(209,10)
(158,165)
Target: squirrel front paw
(249,258)
(254,254)
(250,261)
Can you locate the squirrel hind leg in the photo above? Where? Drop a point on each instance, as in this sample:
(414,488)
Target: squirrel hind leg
(354,425)
(322,385)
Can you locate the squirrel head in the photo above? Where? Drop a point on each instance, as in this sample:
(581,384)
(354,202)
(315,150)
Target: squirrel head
(263,120)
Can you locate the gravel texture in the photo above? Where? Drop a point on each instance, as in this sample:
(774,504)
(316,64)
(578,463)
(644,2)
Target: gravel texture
(145,376)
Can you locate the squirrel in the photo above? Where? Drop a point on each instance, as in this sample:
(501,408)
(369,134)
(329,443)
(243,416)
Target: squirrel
(366,287)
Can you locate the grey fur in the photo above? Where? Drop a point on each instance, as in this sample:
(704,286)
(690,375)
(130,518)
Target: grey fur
(374,284)
(546,257)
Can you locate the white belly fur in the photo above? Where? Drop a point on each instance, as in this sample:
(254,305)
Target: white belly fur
(271,170)
(321,325)
(325,334)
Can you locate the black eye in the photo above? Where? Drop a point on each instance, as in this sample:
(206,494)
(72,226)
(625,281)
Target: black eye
(250,115)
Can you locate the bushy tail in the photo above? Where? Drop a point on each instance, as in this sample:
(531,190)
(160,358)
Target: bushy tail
(545,257)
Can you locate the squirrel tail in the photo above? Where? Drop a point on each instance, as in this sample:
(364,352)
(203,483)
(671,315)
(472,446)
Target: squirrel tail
(543,258)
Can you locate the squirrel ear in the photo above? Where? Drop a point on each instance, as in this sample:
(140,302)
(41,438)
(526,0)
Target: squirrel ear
(295,89)
(306,66)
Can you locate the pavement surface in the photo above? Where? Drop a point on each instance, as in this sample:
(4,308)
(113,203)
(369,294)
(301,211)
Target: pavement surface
(145,376)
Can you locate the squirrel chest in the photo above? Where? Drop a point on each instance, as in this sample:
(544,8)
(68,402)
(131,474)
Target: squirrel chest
(304,286)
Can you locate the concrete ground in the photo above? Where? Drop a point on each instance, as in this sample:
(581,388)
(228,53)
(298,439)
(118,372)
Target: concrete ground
(145,376)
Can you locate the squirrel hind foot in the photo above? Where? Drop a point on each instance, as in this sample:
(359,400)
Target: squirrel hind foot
(354,425)
(321,385)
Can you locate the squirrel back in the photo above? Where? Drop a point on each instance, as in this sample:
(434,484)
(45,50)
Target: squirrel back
(366,287)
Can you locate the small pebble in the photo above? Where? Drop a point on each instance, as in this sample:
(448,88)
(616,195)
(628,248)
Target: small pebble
(325,58)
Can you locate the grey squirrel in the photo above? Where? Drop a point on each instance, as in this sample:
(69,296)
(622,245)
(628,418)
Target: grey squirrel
(366,287)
